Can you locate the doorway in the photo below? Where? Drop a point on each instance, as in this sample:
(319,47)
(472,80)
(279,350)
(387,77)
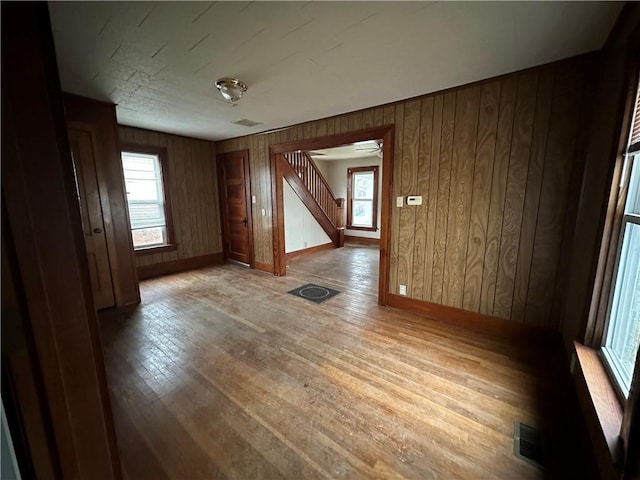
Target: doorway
(386,134)
(234,187)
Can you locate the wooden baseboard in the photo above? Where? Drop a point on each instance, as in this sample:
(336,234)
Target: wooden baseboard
(265,267)
(477,322)
(364,240)
(307,251)
(175,266)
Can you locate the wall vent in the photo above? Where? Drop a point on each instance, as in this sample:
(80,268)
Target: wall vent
(247,123)
(527,444)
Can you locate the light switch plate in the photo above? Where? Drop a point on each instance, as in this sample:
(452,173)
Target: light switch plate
(402,289)
(253,199)
(399,201)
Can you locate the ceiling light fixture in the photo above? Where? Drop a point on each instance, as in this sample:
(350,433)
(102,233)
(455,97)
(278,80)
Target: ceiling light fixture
(231,89)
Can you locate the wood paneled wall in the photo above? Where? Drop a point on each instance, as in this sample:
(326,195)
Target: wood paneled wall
(494,162)
(193,191)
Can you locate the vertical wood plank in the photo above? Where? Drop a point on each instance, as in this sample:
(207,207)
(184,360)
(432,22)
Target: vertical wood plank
(444,182)
(367,118)
(516,186)
(432,200)
(321,127)
(215,207)
(409,170)
(389,115)
(563,130)
(532,198)
(356,120)
(395,215)
(378,116)
(176,212)
(481,197)
(191,194)
(256,191)
(508,90)
(464,146)
(420,252)
(187,240)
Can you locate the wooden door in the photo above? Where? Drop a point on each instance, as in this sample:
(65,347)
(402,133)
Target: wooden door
(82,150)
(234,188)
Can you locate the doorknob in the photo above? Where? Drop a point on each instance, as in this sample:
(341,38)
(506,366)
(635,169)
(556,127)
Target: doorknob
(245,221)
(97,230)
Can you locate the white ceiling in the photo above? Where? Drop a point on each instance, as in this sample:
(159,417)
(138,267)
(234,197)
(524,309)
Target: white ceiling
(302,61)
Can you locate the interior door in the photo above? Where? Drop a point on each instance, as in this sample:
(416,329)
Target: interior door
(235,205)
(92,216)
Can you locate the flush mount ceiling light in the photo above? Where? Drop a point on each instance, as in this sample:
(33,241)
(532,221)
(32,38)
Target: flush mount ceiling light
(231,89)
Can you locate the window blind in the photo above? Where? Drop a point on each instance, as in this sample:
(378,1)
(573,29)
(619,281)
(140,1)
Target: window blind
(634,140)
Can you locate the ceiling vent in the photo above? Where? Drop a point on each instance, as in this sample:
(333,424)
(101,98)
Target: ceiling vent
(247,123)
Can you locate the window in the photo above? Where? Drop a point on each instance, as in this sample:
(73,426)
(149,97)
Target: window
(362,198)
(623,331)
(146,197)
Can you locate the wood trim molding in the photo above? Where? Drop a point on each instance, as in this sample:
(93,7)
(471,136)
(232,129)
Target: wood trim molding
(264,267)
(387,134)
(176,266)
(601,407)
(363,240)
(160,249)
(277,216)
(165,174)
(307,251)
(374,201)
(477,322)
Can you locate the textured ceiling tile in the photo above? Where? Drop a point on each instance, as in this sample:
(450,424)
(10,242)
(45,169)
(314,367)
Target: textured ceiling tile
(301,60)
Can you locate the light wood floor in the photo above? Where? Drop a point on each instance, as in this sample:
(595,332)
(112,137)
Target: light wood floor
(220,373)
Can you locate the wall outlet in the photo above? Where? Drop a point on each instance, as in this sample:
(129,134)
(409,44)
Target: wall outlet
(402,289)
(414,200)
(399,201)
(264,212)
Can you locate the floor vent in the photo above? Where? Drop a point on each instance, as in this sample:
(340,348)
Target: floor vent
(527,443)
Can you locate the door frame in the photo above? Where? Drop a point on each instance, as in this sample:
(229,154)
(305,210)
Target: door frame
(387,134)
(222,201)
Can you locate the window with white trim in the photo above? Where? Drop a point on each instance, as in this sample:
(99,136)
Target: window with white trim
(622,337)
(146,199)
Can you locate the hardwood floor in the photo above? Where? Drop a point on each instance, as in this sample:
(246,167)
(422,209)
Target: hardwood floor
(353,267)
(220,373)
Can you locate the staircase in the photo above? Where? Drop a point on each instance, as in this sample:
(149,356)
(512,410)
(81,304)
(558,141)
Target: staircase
(305,179)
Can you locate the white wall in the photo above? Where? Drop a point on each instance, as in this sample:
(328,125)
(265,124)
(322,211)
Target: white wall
(336,176)
(323,166)
(301,230)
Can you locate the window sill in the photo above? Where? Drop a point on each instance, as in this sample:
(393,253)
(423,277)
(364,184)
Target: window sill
(366,229)
(604,411)
(159,249)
